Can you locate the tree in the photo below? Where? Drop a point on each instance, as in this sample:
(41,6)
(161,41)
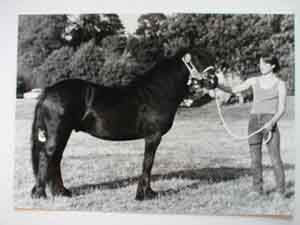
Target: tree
(149,25)
(39,36)
(43,41)
(87,61)
(99,41)
(114,44)
(55,68)
(284,45)
(41,33)
(93,26)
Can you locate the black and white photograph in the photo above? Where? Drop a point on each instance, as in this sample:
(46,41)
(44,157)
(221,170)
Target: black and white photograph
(156,113)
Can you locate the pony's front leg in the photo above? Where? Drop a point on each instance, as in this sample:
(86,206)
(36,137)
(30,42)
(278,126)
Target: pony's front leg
(144,190)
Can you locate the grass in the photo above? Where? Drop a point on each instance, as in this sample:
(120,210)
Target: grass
(198,168)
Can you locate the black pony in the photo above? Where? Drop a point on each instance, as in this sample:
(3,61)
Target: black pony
(144,109)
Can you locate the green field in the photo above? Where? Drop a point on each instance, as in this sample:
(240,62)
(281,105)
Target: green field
(198,168)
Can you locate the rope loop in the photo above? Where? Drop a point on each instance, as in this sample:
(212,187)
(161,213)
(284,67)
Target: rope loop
(237,137)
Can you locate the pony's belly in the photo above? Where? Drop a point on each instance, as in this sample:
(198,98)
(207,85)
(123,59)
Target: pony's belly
(127,122)
(110,128)
(114,135)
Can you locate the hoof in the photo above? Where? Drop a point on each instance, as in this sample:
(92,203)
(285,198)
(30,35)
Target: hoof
(146,195)
(38,193)
(64,192)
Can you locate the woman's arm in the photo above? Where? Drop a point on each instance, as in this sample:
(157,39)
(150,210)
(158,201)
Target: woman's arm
(239,88)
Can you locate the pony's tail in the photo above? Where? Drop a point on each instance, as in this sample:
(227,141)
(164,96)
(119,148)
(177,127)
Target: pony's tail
(37,125)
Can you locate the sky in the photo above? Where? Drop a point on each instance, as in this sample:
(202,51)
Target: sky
(129,21)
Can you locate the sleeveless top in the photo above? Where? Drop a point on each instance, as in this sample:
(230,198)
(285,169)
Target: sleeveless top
(265,100)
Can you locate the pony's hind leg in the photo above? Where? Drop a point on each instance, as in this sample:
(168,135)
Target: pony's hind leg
(39,158)
(55,180)
(50,133)
(144,190)
(38,191)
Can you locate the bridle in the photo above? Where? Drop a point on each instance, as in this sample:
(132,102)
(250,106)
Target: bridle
(194,74)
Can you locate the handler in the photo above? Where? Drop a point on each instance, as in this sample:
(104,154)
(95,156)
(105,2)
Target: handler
(269,104)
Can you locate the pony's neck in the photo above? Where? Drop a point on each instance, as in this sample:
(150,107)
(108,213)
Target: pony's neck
(171,79)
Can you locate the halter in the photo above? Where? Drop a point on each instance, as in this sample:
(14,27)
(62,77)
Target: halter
(187,59)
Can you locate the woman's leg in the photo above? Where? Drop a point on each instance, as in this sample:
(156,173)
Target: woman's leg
(256,167)
(255,147)
(274,152)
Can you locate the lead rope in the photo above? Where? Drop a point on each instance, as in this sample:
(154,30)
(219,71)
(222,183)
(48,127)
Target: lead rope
(234,135)
(187,61)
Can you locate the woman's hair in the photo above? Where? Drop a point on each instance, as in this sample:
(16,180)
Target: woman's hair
(271,59)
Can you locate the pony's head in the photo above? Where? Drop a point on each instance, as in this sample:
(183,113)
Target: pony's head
(203,78)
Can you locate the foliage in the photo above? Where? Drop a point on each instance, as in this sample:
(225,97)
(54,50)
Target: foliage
(117,70)
(114,44)
(93,26)
(236,40)
(21,87)
(26,65)
(87,61)
(149,25)
(39,36)
(55,68)
(116,63)
(103,53)
(41,33)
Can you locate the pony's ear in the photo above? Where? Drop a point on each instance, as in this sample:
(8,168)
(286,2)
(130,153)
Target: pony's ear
(187,57)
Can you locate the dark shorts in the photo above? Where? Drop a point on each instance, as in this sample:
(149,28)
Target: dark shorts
(255,123)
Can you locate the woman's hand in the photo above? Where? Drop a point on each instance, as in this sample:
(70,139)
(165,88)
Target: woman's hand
(270,126)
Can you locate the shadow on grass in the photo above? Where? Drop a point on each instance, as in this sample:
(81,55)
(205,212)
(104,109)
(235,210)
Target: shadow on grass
(204,175)
(289,190)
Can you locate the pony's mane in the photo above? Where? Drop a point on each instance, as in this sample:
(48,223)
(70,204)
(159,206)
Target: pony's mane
(200,57)
(151,73)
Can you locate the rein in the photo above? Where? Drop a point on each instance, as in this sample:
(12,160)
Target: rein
(193,70)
